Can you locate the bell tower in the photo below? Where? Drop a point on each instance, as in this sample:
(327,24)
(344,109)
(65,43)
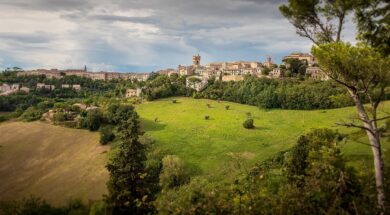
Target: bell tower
(196,60)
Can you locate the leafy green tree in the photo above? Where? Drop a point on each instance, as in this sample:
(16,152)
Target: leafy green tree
(320,178)
(93,120)
(106,135)
(373,18)
(364,73)
(361,70)
(129,192)
(296,67)
(117,113)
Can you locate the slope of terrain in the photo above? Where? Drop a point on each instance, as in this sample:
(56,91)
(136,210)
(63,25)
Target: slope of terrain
(52,162)
(59,163)
(211,146)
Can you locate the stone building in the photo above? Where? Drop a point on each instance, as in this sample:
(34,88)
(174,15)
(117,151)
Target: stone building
(275,73)
(24,89)
(76,87)
(227,78)
(45,86)
(196,82)
(133,92)
(268,63)
(307,58)
(196,60)
(316,73)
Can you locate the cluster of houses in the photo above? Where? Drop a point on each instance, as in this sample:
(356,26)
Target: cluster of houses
(56,73)
(63,86)
(8,89)
(198,75)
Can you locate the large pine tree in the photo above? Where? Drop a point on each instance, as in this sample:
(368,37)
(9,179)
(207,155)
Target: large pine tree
(128,187)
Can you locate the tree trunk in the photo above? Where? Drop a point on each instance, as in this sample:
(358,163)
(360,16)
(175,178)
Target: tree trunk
(374,139)
(379,169)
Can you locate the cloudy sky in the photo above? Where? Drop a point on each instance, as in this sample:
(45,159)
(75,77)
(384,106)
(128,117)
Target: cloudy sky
(142,35)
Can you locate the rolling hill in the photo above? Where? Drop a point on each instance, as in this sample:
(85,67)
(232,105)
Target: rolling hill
(51,162)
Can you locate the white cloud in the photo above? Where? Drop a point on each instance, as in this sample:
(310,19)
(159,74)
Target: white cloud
(122,35)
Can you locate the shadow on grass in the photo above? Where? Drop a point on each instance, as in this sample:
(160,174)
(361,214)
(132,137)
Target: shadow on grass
(149,125)
(261,128)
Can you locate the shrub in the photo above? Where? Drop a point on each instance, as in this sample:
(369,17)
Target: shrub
(60,117)
(227,107)
(3,118)
(248,124)
(208,105)
(31,114)
(174,173)
(174,101)
(106,135)
(93,120)
(98,208)
(206,117)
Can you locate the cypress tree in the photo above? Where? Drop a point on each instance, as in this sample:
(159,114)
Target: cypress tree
(128,188)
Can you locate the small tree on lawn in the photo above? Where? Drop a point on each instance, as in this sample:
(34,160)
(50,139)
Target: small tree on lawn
(248,124)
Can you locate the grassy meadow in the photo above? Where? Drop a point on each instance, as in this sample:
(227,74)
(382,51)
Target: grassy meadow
(212,146)
(51,162)
(59,163)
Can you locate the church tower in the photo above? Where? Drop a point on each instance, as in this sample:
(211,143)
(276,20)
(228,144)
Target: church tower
(196,60)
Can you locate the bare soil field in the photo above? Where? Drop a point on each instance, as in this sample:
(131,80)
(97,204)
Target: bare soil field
(51,162)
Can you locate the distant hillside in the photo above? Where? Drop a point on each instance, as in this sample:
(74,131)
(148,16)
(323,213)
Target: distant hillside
(53,162)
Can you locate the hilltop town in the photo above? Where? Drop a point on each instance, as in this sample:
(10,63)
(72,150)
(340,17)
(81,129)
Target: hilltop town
(197,75)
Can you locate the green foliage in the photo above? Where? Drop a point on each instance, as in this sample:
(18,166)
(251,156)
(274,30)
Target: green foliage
(162,86)
(129,191)
(117,113)
(206,117)
(98,208)
(32,114)
(286,94)
(319,20)
(295,67)
(93,120)
(248,124)
(60,116)
(373,24)
(198,197)
(19,100)
(29,206)
(106,135)
(358,67)
(174,172)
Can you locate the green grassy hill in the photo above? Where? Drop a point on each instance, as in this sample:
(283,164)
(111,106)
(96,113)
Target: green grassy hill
(59,163)
(211,146)
(51,162)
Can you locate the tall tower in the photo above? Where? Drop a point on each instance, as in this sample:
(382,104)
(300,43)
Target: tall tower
(196,60)
(268,62)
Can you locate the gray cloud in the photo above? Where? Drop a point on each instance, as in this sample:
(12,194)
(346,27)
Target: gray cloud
(136,34)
